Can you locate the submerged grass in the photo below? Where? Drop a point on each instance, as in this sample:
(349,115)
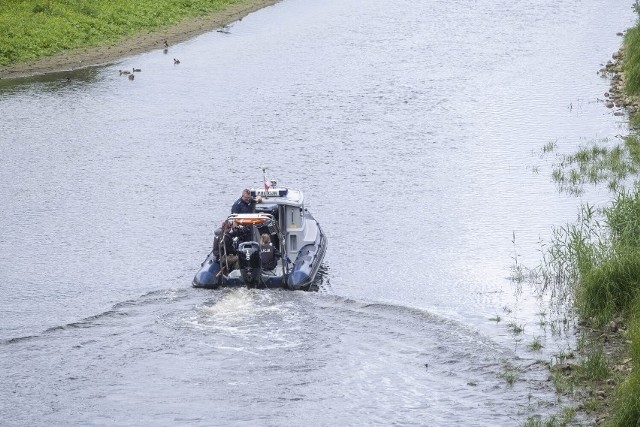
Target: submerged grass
(515,328)
(34,29)
(596,164)
(510,373)
(554,421)
(536,345)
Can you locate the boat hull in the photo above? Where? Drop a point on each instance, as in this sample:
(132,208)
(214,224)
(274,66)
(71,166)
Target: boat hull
(305,268)
(207,276)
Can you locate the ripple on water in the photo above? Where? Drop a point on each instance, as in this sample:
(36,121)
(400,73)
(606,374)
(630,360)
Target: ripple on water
(110,189)
(370,358)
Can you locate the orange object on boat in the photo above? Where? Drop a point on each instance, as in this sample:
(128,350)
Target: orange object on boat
(249,221)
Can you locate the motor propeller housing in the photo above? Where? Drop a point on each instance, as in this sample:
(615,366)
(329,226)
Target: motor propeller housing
(250,263)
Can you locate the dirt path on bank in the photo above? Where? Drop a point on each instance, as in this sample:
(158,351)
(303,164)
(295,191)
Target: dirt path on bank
(72,60)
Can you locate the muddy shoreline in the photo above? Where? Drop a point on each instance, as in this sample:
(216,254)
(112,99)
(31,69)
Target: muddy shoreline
(189,28)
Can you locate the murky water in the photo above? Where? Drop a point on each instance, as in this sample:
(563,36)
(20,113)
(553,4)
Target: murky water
(414,128)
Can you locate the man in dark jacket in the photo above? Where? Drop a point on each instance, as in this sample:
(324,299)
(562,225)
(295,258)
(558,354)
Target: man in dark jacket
(228,254)
(245,204)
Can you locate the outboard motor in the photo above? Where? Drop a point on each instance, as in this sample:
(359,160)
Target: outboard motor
(250,264)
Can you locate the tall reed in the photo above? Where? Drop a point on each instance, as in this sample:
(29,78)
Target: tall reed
(596,261)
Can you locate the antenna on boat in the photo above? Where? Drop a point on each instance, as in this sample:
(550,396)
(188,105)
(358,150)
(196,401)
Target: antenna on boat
(264,178)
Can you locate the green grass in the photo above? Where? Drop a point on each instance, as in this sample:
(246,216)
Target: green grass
(565,419)
(564,384)
(35,29)
(515,328)
(510,373)
(539,422)
(597,259)
(631,47)
(535,345)
(593,364)
(600,162)
(610,286)
(626,410)
(563,356)
(609,281)
(626,404)
(594,263)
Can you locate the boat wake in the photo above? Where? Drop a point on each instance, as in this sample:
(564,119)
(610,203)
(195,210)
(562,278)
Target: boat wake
(239,346)
(117,310)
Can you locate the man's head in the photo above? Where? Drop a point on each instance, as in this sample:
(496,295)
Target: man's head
(246,195)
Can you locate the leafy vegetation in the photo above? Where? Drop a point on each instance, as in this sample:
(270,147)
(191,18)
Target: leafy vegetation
(536,344)
(626,406)
(631,47)
(511,373)
(34,29)
(598,163)
(596,260)
(594,263)
(561,421)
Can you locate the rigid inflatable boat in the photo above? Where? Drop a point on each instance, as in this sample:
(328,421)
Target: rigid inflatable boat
(297,240)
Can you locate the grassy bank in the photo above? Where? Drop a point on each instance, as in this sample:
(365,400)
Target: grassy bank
(631,50)
(35,29)
(610,282)
(603,250)
(595,261)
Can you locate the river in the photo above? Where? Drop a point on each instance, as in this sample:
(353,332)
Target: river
(415,130)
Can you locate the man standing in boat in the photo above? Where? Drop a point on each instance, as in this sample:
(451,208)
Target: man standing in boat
(245,204)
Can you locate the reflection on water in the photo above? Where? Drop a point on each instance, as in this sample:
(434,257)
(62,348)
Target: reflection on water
(52,82)
(413,129)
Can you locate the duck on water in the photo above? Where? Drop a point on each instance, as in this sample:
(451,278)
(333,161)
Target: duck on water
(279,245)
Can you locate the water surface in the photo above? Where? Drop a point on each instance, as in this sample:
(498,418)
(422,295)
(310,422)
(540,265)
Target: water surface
(415,131)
